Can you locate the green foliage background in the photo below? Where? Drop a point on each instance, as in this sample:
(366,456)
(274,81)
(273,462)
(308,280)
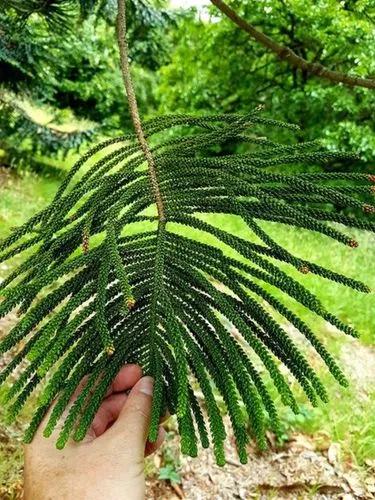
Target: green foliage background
(218,67)
(185,62)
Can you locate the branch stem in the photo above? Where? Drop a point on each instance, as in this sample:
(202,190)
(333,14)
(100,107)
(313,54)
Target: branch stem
(133,106)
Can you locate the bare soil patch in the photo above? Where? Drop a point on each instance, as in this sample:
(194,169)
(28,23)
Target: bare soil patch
(298,470)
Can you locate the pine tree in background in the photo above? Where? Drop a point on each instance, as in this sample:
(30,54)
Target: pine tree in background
(16,125)
(57,57)
(112,276)
(24,76)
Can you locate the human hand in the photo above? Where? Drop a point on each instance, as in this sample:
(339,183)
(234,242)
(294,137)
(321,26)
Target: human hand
(109,463)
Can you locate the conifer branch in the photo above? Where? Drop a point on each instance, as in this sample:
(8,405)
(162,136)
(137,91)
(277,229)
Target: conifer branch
(288,55)
(165,299)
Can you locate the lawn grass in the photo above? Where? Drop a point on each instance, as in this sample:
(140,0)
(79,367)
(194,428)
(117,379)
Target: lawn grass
(352,307)
(347,418)
(21,196)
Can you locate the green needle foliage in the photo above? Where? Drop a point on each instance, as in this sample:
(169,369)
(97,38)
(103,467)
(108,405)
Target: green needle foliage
(109,278)
(106,282)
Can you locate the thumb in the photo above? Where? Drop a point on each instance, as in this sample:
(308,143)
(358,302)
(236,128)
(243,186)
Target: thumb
(133,423)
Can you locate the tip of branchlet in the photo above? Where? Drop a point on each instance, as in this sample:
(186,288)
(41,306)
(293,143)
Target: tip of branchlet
(260,107)
(372,189)
(60,444)
(85,242)
(353,243)
(110,350)
(304,270)
(368,209)
(130,303)
(371,178)
(47,432)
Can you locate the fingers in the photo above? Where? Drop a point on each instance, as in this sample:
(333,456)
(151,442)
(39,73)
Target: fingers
(152,447)
(132,425)
(126,378)
(108,413)
(115,399)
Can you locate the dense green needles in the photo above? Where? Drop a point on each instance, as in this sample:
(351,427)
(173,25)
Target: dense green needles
(155,297)
(108,279)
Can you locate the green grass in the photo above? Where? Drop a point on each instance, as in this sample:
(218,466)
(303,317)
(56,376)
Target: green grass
(23,195)
(353,307)
(347,418)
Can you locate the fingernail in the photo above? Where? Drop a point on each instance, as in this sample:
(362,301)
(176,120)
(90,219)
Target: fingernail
(146,385)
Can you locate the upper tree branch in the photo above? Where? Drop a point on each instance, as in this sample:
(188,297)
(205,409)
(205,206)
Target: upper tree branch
(287,54)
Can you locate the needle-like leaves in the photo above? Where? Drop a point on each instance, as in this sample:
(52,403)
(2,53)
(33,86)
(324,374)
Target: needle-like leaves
(105,282)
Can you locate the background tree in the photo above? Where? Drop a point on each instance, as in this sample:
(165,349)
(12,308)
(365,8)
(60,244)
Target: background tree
(63,56)
(220,67)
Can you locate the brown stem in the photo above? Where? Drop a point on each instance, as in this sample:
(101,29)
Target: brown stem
(289,55)
(133,106)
